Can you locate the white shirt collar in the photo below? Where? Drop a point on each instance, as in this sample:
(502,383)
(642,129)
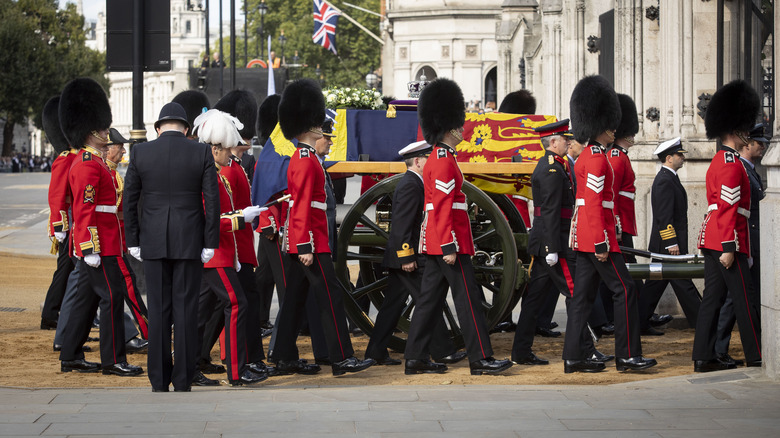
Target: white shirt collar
(669,169)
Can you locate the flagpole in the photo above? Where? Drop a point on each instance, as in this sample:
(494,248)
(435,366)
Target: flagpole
(360,26)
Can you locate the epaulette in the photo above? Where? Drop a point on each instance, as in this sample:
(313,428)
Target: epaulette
(235,159)
(303,153)
(64,153)
(615,152)
(442,153)
(87,156)
(550,159)
(729,157)
(595,150)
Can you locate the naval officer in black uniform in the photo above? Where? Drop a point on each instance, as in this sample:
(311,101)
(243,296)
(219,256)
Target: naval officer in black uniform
(178,233)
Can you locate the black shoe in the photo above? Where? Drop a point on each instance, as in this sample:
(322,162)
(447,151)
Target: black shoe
(547,333)
(258,367)
(489,365)
(650,331)
(598,356)
(504,327)
(136,345)
(201,380)
(728,359)
(582,366)
(79,365)
(160,389)
(351,365)
(285,367)
(323,361)
(84,348)
(92,339)
(249,378)
(634,363)
(607,329)
(705,366)
(123,369)
(553,325)
(658,320)
(452,358)
(48,324)
(356,331)
(211,368)
(388,361)
(267,325)
(754,363)
(267,332)
(531,359)
(424,366)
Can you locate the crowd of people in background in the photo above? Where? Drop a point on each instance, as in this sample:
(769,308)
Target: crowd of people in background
(26,163)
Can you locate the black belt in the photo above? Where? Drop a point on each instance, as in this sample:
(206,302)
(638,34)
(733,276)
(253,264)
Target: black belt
(566,213)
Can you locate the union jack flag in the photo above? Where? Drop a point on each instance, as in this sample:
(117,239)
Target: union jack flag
(325,19)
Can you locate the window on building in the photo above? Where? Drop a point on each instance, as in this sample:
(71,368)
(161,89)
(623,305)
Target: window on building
(188,27)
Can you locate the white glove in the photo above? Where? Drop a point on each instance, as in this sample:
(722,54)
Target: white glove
(552,258)
(253,211)
(750,262)
(135,251)
(206,254)
(60,236)
(92,260)
(238,266)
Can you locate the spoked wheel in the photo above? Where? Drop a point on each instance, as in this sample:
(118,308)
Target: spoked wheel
(363,238)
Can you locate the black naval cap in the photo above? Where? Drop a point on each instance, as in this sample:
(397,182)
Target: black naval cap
(172,111)
(669,147)
(416,149)
(557,128)
(114,137)
(327,128)
(758,133)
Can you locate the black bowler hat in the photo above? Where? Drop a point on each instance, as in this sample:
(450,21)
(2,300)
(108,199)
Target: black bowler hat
(114,137)
(172,111)
(758,134)
(557,128)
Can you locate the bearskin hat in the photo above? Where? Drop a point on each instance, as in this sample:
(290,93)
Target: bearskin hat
(83,108)
(440,108)
(629,125)
(242,105)
(594,108)
(301,108)
(734,107)
(518,102)
(51,125)
(194,103)
(268,115)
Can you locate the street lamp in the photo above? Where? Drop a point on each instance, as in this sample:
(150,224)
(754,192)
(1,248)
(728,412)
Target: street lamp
(262,8)
(282,40)
(372,79)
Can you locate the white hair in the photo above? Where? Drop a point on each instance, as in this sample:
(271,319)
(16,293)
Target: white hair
(218,128)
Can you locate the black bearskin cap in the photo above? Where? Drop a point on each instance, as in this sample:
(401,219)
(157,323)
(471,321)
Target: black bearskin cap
(629,125)
(268,115)
(440,108)
(51,125)
(594,108)
(242,105)
(83,108)
(301,108)
(518,102)
(734,107)
(193,102)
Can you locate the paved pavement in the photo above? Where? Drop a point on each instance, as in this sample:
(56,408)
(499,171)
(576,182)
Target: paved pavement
(725,404)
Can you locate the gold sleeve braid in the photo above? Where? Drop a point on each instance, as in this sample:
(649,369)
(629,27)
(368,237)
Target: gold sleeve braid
(668,233)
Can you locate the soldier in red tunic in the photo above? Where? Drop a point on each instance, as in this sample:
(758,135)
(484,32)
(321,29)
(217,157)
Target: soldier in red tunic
(301,114)
(595,112)
(724,238)
(445,239)
(97,237)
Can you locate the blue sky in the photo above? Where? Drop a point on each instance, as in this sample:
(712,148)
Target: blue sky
(92,7)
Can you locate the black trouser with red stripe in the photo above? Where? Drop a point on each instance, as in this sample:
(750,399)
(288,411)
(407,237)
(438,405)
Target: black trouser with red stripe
(103,286)
(222,285)
(401,284)
(614,274)
(134,299)
(59,282)
(254,333)
(319,278)
(718,282)
(468,297)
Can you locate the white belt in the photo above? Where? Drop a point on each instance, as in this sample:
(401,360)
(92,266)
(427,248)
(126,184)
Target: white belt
(740,210)
(628,195)
(522,198)
(455,206)
(606,204)
(314,204)
(105,209)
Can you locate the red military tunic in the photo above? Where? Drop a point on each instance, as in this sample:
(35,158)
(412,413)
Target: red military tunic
(446,227)
(270,220)
(306,229)
(96,226)
(59,192)
(239,183)
(230,220)
(593,225)
(624,189)
(521,203)
(725,227)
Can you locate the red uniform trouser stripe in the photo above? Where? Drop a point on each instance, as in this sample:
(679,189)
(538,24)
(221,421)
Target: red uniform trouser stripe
(111,295)
(330,301)
(747,306)
(473,317)
(131,294)
(625,304)
(233,325)
(567,276)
